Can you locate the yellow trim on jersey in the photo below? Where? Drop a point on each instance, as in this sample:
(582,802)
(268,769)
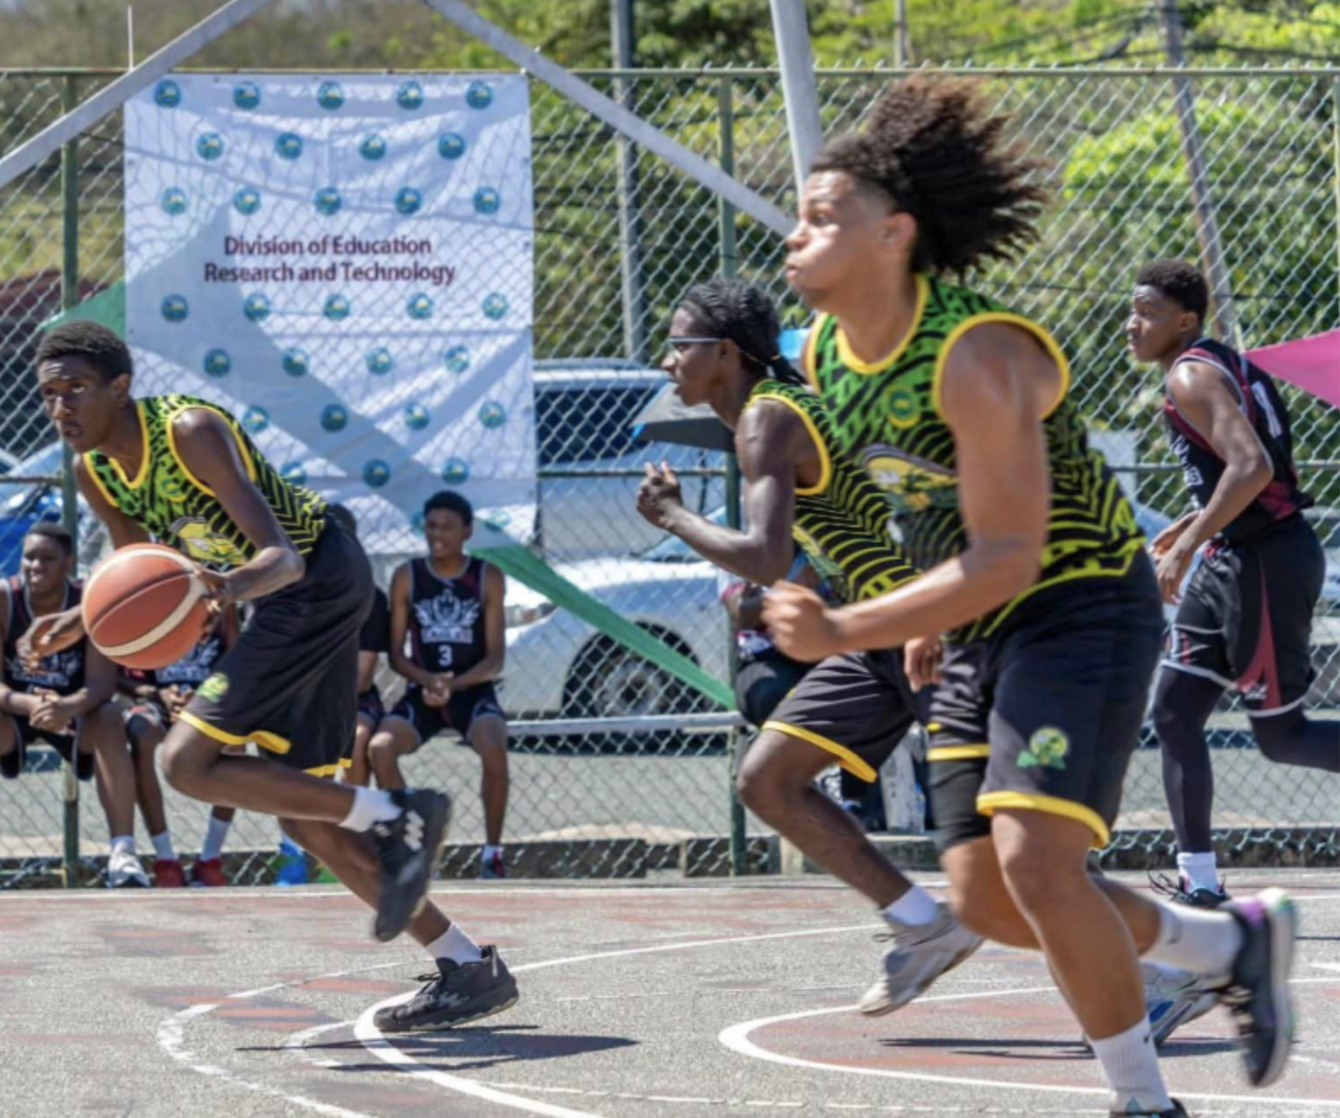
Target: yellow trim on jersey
(93,473)
(825,461)
(1048,343)
(958,752)
(988,803)
(266,740)
(856,365)
(845,757)
(143,471)
(807,353)
(330,770)
(172,446)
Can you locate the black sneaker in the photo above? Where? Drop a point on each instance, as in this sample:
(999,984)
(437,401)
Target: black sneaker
(458,994)
(1181,892)
(1177,1111)
(409,846)
(1258,990)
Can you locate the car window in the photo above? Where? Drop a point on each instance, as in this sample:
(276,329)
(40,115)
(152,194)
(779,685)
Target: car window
(583,423)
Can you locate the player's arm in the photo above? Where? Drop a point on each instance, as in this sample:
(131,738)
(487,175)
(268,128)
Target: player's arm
(209,450)
(1202,396)
(770,440)
(401,664)
(12,702)
(99,686)
(495,634)
(996,386)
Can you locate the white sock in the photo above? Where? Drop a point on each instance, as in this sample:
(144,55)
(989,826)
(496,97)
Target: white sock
(163,847)
(1196,940)
(123,842)
(455,945)
(1199,870)
(914,907)
(1131,1067)
(215,834)
(489,852)
(371,805)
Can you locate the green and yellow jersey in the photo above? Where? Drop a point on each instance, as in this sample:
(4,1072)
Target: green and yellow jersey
(887,417)
(179,510)
(842,522)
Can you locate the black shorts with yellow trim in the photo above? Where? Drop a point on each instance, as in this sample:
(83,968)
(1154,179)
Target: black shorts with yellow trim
(289,683)
(856,706)
(1046,715)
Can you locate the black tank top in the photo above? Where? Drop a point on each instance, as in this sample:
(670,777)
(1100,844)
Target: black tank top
(62,672)
(1261,403)
(446,620)
(195,667)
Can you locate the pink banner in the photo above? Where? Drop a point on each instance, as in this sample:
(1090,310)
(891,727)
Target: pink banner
(1313,364)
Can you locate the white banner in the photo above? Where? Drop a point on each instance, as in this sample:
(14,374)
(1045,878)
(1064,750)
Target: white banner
(345,264)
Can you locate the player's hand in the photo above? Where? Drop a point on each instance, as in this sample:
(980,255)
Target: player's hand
(1172,567)
(51,716)
(219,591)
(50,634)
(1170,535)
(800,624)
(921,661)
(659,496)
(438,691)
(174,700)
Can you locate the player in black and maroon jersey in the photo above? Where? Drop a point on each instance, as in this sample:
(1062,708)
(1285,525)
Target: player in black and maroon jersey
(1245,620)
(450,607)
(66,699)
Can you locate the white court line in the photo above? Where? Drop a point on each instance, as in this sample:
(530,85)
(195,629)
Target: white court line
(736,1038)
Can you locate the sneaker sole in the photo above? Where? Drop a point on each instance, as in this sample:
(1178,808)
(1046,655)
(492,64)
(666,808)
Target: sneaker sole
(885,1007)
(386,929)
(437,1027)
(1283,917)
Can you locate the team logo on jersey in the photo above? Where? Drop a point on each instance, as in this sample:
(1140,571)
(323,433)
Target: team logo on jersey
(167,95)
(902,407)
(372,147)
(447,619)
(246,95)
(451,145)
(173,201)
(214,688)
(912,484)
(288,146)
(479,95)
(330,95)
(204,545)
(328,200)
(408,200)
(409,96)
(487,200)
(193,668)
(1047,748)
(209,147)
(247,200)
(57,671)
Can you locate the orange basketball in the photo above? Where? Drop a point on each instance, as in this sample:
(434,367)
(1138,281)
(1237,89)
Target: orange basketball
(144,606)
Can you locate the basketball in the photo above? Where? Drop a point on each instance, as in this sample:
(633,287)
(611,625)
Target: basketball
(144,606)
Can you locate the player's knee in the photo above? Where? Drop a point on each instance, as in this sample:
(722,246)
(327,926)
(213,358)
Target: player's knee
(1275,736)
(107,726)
(185,765)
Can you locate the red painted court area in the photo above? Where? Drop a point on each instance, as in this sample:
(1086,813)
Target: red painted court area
(676,1000)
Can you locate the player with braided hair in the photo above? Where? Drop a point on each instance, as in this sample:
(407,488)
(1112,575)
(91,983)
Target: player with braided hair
(959,408)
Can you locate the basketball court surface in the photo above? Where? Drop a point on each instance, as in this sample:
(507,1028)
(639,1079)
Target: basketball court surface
(636,1000)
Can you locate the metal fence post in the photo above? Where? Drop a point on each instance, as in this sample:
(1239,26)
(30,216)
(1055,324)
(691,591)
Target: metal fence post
(630,204)
(729,266)
(69,292)
(1335,170)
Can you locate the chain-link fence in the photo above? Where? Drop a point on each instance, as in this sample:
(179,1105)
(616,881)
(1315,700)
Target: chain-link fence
(619,235)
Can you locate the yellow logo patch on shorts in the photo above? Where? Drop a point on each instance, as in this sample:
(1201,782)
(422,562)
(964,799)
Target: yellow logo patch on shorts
(215,687)
(1047,748)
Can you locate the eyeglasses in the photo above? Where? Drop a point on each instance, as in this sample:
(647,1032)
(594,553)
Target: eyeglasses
(681,344)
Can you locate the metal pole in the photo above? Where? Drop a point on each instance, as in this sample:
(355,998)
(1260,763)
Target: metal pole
(901,51)
(1335,168)
(623,34)
(802,95)
(69,297)
(729,267)
(1207,227)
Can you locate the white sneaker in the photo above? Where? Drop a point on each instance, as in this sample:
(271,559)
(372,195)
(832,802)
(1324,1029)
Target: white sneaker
(124,871)
(1174,998)
(919,955)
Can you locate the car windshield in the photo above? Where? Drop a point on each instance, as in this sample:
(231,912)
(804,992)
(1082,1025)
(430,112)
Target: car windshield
(674,550)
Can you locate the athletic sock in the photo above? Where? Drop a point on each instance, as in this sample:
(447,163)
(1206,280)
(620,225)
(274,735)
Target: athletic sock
(123,842)
(215,835)
(371,805)
(1199,871)
(455,945)
(163,847)
(1131,1067)
(913,908)
(489,852)
(1196,940)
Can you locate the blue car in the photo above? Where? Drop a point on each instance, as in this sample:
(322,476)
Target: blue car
(25,503)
